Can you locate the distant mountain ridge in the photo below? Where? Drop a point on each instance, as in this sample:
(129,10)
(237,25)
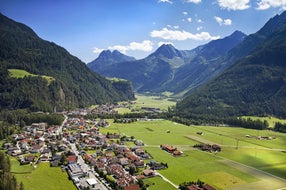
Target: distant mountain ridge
(169,69)
(254,85)
(108,57)
(74,85)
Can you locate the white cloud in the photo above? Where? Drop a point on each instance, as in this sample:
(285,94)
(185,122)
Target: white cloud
(189,19)
(199,28)
(165,1)
(167,34)
(97,50)
(194,1)
(222,22)
(266,4)
(161,43)
(234,4)
(200,21)
(145,45)
(227,22)
(185,13)
(176,27)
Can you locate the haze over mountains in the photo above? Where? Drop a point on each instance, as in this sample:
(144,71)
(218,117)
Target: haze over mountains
(168,69)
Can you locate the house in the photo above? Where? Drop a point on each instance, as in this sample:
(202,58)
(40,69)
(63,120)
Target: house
(216,148)
(123,161)
(74,171)
(139,164)
(132,187)
(72,159)
(148,173)
(177,153)
(36,148)
(91,183)
(208,187)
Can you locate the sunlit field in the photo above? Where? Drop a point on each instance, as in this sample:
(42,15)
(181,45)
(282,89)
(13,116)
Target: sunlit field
(195,164)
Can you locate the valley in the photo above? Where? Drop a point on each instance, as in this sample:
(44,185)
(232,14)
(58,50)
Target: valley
(209,116)
(242,163)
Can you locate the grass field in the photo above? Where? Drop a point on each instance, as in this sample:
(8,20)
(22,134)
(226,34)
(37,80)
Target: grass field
(155,182)
(18,73)
(42,177)
(195,164)
(153,101)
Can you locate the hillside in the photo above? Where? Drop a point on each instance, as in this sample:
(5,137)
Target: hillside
(254,85)
(205,65)
(74,85)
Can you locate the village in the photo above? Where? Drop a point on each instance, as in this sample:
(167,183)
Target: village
(92,160)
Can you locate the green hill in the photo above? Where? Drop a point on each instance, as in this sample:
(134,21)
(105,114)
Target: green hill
(254,85)
(74,85)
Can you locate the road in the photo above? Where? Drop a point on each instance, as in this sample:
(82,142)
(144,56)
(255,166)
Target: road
(167,180)
(86,168)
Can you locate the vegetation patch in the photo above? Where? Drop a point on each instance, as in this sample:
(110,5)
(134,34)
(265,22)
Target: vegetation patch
(155,183)
(46,177)
(151,130)
(19,73)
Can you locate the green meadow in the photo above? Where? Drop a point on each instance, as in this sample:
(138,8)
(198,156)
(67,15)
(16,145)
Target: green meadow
(266,155)
(153,101)
(18,73)
(41,177)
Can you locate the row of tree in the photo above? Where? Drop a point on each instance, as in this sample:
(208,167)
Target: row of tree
(280,127)
(7,179)
(24,117)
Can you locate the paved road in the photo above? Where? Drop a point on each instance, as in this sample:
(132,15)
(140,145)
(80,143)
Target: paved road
(86,168)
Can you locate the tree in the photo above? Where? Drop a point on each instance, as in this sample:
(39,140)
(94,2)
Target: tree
(21,186)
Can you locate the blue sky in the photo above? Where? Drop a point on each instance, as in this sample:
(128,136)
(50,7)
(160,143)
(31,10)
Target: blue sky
(138,27)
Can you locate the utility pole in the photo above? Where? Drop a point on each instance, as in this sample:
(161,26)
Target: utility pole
(237,141)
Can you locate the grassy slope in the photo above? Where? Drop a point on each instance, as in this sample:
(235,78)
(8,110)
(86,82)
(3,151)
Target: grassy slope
(196,164)
(18,73)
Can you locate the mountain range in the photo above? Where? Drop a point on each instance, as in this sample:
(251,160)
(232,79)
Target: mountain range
(236,75)
(233,76)
(254,85)
(55,79)
(167,69)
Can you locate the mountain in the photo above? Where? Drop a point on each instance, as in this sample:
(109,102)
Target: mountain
(149,73)
(204,65)
(55,79)
(108,58)
(170,69)
(253,85)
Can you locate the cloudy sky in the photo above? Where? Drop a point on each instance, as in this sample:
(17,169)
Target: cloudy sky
(138,27)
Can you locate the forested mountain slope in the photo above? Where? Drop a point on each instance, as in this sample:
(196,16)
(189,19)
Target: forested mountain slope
(254,85)
(74,85)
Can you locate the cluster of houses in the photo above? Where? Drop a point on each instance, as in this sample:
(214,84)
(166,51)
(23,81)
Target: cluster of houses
(37,139)
(110,155)
(208,147)
(172,150)
(107,154)
(260,137)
